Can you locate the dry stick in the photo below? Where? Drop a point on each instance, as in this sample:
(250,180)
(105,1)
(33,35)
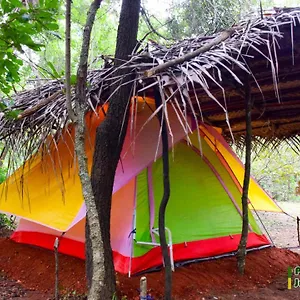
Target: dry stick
(68,61)
(148,22)
(224,35)
(29,111)
(241,253)
(3,155)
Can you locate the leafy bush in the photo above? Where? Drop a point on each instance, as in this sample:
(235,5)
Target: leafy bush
(7,222)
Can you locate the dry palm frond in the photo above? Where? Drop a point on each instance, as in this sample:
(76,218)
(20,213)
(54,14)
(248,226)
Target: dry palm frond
(200,85)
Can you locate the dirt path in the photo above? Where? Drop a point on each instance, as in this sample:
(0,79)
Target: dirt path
(27,272)
(31,274)
(12,290)
(281,227)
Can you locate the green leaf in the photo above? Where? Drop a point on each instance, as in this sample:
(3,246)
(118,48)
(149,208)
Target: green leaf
(54,71)
(52,26)
(13,114)
(2,106)
(73,79)
(16,3)
(5,6)
(51,4)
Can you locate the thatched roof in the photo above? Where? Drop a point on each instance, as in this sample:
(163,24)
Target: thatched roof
(206,82)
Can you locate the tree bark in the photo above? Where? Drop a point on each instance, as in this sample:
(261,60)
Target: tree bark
(98,287)
(241,253)
(165,199)
(109,141)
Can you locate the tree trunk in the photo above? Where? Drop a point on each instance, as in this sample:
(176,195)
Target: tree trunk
(98,286)
(241,253)
(165,199)
(109,142)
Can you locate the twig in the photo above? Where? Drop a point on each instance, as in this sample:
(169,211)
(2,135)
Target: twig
(68,62)
(151,27)
(148,33)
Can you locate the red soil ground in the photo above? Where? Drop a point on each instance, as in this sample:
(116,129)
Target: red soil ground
(33,269)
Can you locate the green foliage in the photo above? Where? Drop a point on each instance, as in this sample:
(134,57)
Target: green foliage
(7,222)
(20,29)
(3,173)
(193,17)
(204,17)
(102,40)
(278,172)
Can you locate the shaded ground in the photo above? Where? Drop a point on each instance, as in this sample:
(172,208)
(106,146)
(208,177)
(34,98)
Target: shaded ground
(33,268)
(11,289)
(4,232)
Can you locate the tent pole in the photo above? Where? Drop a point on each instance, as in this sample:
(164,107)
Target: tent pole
(133,228)
(263,225)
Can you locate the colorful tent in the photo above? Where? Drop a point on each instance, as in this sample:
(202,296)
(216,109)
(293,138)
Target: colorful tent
(203,218)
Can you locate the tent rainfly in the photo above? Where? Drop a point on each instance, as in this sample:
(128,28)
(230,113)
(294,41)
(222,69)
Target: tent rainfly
(204,213)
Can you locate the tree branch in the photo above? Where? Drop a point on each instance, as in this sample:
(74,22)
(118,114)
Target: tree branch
(149,24)
(93,229)
(215,41)
(84,54)
(68,62)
